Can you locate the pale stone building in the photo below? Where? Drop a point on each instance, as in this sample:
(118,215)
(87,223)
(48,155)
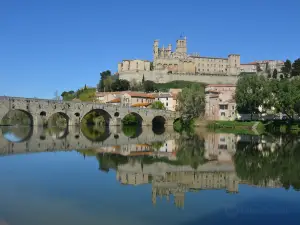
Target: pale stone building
(181,62)
(219,102)
(248,68)
(126,98)
(135,65)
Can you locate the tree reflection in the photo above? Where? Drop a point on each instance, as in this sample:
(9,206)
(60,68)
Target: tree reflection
(95,133)
(260,165)
(191,150)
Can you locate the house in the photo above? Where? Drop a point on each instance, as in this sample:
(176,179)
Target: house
(219,102)
(126,98)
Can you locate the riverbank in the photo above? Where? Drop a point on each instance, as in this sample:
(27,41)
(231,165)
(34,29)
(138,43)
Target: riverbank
(237,127)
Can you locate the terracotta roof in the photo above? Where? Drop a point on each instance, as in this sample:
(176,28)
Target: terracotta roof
(140,94)
(251,64)
(141,104)
(116,100)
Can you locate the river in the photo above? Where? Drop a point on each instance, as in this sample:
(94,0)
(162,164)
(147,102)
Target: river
(143,176)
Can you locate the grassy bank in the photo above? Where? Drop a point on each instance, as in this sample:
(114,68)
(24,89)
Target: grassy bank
(237,127)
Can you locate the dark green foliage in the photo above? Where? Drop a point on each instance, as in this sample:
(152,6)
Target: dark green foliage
(259,166)
(149,86)
(250,93)
(120,85)
(130,119)
(157,105)
(296,68)
(275,73)
(103,76)
(287,68)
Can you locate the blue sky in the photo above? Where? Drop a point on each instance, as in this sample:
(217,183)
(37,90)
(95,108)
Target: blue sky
(59,45)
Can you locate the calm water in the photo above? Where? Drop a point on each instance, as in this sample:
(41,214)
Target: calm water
(129,176)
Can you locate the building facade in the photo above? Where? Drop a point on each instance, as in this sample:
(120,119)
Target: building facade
(219,102)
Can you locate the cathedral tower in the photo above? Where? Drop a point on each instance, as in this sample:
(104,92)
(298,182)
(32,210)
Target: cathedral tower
(181,45)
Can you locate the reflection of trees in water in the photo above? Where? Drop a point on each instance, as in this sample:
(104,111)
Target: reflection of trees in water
(57,132)
(17,134)
(95,133)
(191,150)
(132,131)
(260,166)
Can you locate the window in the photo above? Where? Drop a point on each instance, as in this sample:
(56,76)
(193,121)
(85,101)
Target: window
(223,107)
(222,114)
(166,104)
(167,99)
(233,107)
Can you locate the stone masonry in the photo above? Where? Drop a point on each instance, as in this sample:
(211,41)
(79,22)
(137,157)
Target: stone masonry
(40,110)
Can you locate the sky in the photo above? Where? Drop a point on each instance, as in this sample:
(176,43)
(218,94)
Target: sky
(53,45)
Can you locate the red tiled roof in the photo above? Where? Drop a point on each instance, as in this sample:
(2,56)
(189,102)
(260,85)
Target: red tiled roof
(116,100)
(141,104)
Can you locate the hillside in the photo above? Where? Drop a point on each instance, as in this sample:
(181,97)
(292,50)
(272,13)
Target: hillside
(177,84)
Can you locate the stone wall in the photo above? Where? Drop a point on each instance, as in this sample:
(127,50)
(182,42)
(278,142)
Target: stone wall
(40,110)
(162,77)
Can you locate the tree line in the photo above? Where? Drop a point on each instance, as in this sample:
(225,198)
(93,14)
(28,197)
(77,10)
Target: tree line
(258,94)
(109,82)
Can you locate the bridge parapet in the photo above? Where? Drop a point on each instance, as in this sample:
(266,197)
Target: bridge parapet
(42,109)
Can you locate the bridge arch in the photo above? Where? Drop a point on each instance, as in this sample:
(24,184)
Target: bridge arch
(133,118)
(89,117)
(95,134)
(58,119)
(17,134)
(17,117)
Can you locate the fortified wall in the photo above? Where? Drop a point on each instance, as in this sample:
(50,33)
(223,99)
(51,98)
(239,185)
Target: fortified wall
(163,77)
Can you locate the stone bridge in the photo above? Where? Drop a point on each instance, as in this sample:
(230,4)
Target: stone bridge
(40,110)
(37,140)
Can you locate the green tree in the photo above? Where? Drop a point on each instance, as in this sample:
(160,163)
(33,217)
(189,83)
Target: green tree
(287,68)
(285,95)
(251,92)
(275,73)
(85,87)
(120,85)
(107,83)
(149,86)
(130,119)
(191,103)
(103,76)
(157,105)
(296,68)
(143,80)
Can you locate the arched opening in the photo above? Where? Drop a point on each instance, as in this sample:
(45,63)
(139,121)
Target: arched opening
(97,117)
(132,119)
(95,133)
(43,113)
(117,114)
(158,124)
(132,131)
(58,132)
(17,134)
(58,119)
(17,117)
(77,114)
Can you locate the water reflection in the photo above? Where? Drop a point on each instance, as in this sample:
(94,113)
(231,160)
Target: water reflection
(172,164)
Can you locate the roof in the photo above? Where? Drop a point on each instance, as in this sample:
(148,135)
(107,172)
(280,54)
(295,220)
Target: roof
(116,100)
(248,64)
(221,85)
(141,104)
(140,94)
(164,95)
(131,93)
